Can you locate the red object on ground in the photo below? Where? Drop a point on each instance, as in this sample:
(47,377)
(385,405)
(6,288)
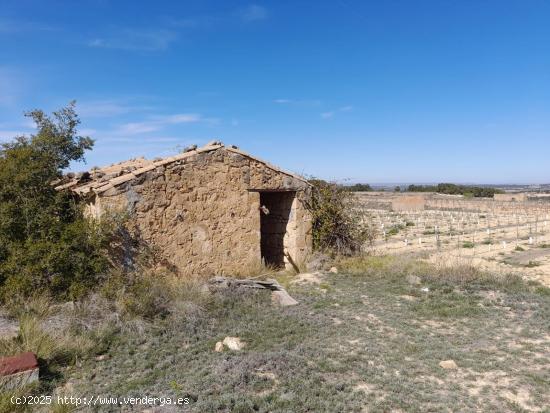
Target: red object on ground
(16,364)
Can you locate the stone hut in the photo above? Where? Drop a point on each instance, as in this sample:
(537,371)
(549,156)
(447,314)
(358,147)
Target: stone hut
(211,210)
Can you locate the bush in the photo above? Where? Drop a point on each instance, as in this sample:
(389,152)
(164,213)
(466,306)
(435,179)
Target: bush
(338,224)
(46,245)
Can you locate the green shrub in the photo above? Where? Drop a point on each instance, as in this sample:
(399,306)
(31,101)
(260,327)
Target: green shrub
(468,244)
(338,224)
(394,230)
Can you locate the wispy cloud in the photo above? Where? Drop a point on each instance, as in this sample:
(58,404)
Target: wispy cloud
(194,22)
(148,40)
(21,26)
(109,107)
(253,12)
(159,122)
(162,37)
(87,132)
(10,86)
(298,102)
(330,114)
(7,135)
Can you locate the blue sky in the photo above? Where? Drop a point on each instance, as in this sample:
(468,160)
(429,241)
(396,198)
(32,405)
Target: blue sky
(370,91)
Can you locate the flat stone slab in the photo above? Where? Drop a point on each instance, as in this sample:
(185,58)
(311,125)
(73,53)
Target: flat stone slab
(18,371)
(8,328)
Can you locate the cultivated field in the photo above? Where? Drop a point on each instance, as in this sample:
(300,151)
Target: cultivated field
(512,237)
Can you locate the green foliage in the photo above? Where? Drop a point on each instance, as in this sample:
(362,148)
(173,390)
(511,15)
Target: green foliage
(468,244)
(359,188)
(394,229)
(453,189)
(337,224)
(45,242)
(397,189)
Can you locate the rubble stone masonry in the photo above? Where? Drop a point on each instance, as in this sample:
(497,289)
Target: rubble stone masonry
(202,211)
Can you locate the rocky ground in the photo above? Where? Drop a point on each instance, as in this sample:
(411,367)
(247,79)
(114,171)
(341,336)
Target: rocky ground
(381,335)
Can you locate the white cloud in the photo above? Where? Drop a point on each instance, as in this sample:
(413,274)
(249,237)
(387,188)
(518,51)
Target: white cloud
(135,128)
(183,118)
(135,40)
(10,87)
(253,13)
(332,113)
(195,22)
(160,38)
(19,26)
(298,102)
(108,108)
(8,135)
(159,122)
(87,132)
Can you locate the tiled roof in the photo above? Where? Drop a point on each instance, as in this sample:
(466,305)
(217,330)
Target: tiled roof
(102,179)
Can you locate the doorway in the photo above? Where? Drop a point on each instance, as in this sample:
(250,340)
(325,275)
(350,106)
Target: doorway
(275,213)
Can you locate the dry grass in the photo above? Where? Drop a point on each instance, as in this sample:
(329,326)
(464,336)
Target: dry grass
(363,339)
(367,341)
(253,269)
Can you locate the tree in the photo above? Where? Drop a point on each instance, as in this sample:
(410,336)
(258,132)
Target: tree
(359,188)
(453,189)
(45,242)
(397,189)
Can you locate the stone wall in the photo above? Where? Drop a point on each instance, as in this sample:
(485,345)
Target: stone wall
(520,197)
(408,203)
(203,212)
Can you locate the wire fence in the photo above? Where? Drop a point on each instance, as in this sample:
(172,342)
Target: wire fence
(461,232)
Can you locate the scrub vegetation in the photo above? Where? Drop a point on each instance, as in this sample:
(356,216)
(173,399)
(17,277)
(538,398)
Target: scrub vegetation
(369,338)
